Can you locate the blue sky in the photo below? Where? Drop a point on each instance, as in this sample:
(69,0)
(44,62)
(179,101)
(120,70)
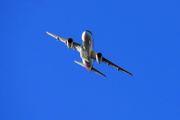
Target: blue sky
(40,81)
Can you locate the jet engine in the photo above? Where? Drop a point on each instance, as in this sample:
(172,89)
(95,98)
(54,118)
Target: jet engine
(70,43)
(99,57)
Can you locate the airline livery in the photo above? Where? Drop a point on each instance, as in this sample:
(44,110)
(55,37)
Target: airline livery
(86,52)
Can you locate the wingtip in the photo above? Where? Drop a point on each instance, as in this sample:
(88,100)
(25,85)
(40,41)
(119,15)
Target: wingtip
(47,32)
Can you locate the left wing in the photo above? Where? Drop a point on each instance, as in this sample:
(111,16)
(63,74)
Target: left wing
(93,55)
(75,45)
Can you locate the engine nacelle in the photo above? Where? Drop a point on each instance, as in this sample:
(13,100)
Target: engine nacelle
(70,43)
(99,57)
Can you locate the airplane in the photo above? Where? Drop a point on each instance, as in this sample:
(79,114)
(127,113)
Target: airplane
(87,54)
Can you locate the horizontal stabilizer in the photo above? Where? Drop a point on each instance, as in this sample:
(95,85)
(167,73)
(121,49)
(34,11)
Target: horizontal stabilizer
(80,63)
(93,69)
(96,71)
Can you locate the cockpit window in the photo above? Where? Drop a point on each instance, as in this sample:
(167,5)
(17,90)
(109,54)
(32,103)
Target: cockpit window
(89,32)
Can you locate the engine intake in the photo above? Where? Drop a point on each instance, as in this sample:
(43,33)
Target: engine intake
(99,57)
(70,43)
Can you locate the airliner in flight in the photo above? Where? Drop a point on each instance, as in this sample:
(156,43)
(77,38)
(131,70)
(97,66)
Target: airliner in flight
(88,55)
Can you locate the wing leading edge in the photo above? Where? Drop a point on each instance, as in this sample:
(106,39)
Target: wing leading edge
(93,55)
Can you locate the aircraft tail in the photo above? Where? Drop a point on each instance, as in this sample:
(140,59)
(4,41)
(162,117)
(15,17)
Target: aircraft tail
(93,69)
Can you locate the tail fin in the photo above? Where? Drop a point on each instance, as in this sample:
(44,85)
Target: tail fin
(93,69)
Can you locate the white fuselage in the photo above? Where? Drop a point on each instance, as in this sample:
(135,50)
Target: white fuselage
(86,48)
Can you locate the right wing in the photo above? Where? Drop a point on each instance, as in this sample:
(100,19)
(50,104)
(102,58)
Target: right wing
(115,66)
(93,55)
(75,45)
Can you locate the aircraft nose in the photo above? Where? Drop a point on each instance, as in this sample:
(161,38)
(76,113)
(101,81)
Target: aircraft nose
(86,35)
(89,32)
